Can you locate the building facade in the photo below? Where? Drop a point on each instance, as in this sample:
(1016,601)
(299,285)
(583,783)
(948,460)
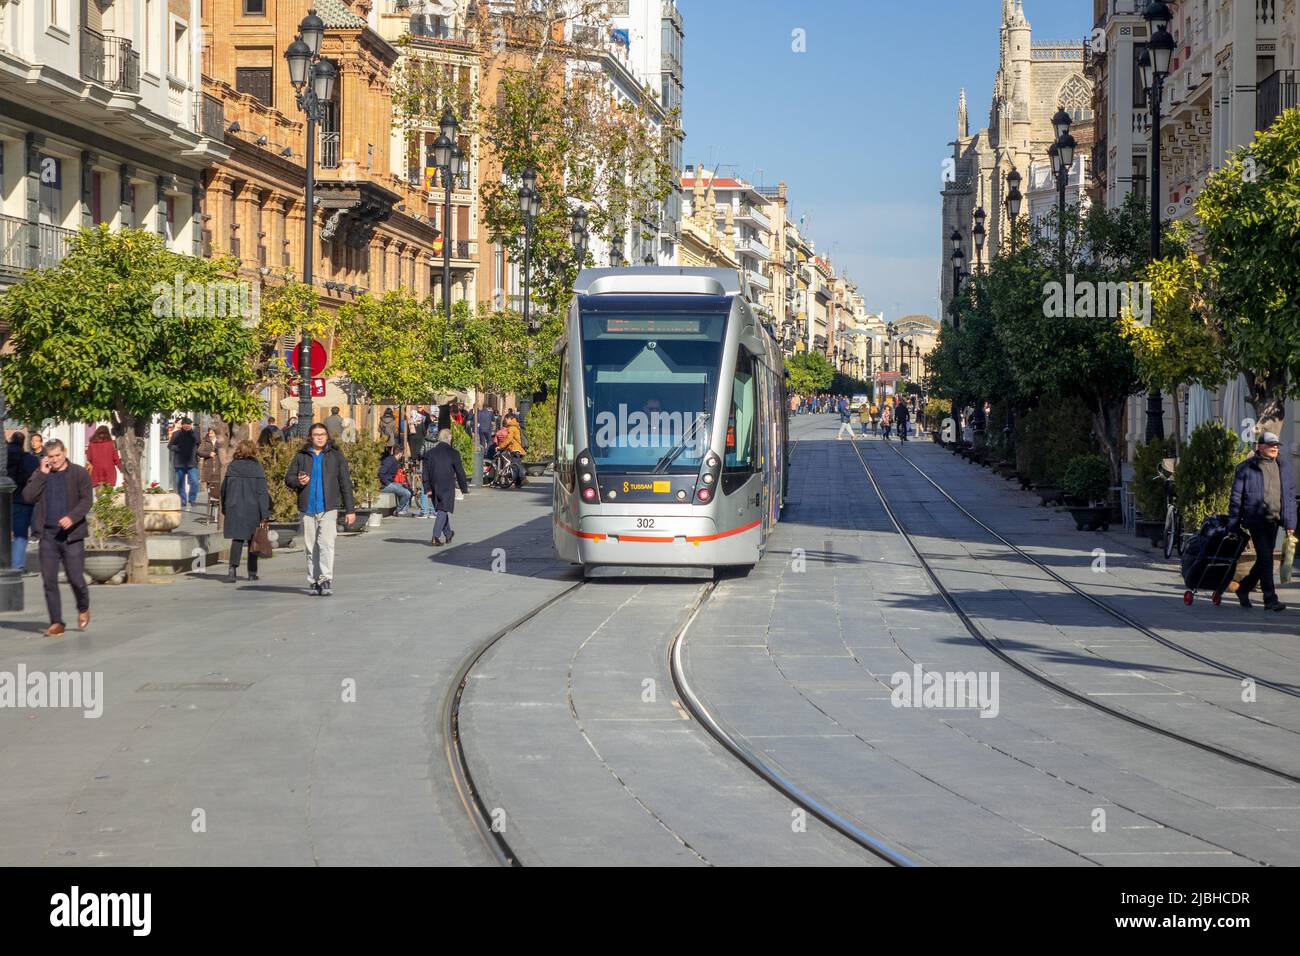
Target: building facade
(1034,79)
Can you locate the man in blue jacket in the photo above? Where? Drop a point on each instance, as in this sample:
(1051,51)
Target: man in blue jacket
(1263,498)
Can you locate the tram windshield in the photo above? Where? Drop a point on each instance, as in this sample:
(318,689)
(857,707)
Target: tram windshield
(650,368)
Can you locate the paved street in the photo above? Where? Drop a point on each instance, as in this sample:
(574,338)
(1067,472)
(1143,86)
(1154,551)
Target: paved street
(230,700)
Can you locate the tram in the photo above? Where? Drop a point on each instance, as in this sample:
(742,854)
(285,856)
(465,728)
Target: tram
(670,439)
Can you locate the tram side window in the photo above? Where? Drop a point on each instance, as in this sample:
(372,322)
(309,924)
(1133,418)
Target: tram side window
(741,459)
(564,451)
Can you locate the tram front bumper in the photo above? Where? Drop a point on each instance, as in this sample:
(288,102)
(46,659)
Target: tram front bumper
(664,541)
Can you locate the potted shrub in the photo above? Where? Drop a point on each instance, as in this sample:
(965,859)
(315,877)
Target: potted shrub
(541,437)
(363,465)
(109,527)
(162,508)
(1203,481)
(1087,480)
(285,523)
(1149,488)
(936,412)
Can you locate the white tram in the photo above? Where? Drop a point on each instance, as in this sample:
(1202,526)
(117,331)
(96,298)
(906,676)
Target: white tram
(670,439)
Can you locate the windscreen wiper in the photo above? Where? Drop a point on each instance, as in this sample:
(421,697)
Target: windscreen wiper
(675,452)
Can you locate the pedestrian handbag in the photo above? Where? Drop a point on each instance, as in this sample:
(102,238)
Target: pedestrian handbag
(1288,558)
(260,543)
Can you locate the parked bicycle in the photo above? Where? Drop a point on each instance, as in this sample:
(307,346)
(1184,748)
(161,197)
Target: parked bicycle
(1173,536)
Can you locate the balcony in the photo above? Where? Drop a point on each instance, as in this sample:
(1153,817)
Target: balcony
(16,250)
(753,247)
(209,116)
(13,244)
(329,149)
(109,61)
(758,280)
(1277,93)
(754,215)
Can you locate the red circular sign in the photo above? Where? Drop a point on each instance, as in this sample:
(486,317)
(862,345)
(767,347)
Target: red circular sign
(318,357)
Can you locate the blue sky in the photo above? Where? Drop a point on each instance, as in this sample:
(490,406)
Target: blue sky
(858,125)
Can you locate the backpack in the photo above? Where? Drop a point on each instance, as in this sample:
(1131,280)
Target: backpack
(502,437)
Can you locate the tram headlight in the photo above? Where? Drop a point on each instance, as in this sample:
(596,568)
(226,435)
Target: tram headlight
(704,494)
(586,476)
(588,494)
(708,479)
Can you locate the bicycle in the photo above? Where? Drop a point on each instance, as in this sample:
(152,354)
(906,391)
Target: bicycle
(1173,535)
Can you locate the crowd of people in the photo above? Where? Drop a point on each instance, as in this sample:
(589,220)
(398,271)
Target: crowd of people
(893,414)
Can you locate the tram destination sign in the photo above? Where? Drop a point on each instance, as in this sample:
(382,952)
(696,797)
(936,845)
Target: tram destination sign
(647,326)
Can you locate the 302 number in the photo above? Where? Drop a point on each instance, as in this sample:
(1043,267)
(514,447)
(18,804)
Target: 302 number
(645,522)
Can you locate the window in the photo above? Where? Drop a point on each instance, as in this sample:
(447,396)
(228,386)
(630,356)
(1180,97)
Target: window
(149,55)
(255,81)
(178,52)
(1140,97)
(564,450)
(254,8)
(1140,176)
(742,421)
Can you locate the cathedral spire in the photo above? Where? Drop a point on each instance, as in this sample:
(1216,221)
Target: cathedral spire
(963,122)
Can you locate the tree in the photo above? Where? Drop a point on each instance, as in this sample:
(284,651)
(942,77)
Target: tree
(1248,216)
(809,372)
(101,336)
(389,347)
(1175,343)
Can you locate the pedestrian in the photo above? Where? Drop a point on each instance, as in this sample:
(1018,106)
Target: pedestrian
(388,429)
(1263,499)
(334,425)
(349,435)
(184,445)
(270,433)
(902,420)
(415,419)
(62,497)
(864,416)
(319,473)
(389,467)
(444,472)
(846,421)
(37,444)
(484,420)
(209,454)
(290,428)
(246,505)
(875,419)
(886,420)
(22,465)
(102,458)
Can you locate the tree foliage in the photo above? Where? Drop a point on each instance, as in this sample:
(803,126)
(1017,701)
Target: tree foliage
(809,372)
(1250,217)
(91,345)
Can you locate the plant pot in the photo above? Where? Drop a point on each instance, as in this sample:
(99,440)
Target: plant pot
(107,562)
(285,532)
(162,513)
(1071,501)
(1091,517)
(1025,481)
(1007,469)
(535,469)
(1153,531)
(374,519)
(1050,494)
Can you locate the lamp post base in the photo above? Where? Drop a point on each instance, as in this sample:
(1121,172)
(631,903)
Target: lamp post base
(11,590)
(1155,415)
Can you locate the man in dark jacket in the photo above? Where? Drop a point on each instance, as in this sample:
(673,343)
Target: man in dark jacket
(319,473)
(184,445)
(1263,497)
(62,496)
(270,433)
(443,472)
(901,416)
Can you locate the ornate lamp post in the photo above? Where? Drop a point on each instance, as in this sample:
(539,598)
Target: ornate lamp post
(578,234)
(1014,200)
(1062,156)
(452,164)
(313,81)
(616,249)
(979,234)
(530,204)
(1154,65)
(958,258)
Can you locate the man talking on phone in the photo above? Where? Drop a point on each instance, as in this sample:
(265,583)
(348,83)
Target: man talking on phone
(319,473)
(62,496)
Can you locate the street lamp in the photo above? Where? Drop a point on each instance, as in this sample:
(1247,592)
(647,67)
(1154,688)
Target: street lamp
(1014,200)
(958,258)
(313,83)
(979,234)
(446,155)
(530,204)
(616,248)
(578,233)
(1154,65)
(1061,154)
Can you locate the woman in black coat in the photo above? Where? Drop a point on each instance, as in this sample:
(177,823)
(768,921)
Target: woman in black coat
(443,471)
(245,503)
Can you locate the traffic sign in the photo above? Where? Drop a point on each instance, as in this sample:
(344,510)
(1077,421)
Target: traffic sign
(319,358)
